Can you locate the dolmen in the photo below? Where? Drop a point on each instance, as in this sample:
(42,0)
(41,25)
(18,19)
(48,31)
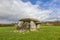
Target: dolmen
(28,24)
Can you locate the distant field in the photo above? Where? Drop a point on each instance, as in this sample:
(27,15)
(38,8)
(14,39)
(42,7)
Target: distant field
(45,33)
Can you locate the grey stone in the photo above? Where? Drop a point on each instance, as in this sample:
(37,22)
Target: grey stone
(38,26)
(32,26)
(19,25)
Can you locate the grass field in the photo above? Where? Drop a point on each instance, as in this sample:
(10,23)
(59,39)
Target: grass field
(45,33)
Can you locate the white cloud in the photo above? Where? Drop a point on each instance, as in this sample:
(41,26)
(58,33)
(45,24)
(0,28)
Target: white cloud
(55,10)
(13,10)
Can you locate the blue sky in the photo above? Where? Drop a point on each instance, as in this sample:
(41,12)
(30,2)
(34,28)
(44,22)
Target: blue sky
(43,10)
(54,5)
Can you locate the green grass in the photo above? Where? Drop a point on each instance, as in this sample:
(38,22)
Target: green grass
(45,33)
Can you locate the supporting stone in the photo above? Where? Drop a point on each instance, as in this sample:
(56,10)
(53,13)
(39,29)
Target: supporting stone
(19,25)
(38,26)
(25,27)
(32,26)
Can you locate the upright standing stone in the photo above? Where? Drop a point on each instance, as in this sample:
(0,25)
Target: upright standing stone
(32,26)
(19,25)
(38,26)
(25,27)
